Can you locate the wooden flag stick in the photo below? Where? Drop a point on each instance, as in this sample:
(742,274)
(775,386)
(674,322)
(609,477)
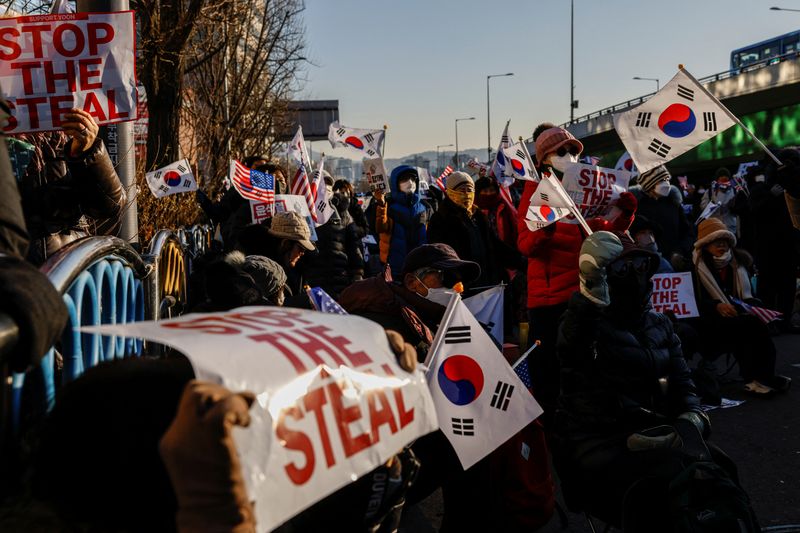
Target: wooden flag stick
(731,115)
(529,158)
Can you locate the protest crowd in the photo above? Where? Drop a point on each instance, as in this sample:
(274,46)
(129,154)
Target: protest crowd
(559,319)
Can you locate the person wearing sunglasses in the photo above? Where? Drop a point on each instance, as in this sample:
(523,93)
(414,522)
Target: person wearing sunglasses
(628,409)
(552,257)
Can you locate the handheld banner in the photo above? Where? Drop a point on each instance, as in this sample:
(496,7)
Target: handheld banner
(52,63)
(260,211)
(332,403)
(375,172)
(594,189)
(674,292)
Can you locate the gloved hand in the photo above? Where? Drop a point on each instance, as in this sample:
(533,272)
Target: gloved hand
(597,252)
(405,353)
(28,297)
(201,459)
(659,437)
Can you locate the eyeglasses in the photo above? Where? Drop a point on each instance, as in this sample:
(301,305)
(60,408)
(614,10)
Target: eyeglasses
(572,150)
(621,269)
(422,272)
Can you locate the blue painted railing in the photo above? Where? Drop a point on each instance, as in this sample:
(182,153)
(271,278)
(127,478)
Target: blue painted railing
(103,280)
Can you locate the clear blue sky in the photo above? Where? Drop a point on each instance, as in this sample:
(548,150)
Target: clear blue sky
(416,65)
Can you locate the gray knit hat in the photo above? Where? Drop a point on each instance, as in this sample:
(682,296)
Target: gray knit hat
(457,178)
(292,226)
(268,275)
(653,177)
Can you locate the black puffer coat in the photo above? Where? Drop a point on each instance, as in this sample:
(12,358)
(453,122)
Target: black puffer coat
(339,260)
(66,198)
(618,379)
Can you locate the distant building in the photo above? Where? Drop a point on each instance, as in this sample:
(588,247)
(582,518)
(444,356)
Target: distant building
(418,161)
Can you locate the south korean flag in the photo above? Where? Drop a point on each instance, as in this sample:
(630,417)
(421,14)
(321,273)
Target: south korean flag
(518,163)
(479,399)
(680,116)
(174,178)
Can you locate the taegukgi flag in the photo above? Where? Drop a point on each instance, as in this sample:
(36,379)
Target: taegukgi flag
(518,165)
(679,117)
(548,204)
(171,179)
(366,142)
(487,307)
(480,401)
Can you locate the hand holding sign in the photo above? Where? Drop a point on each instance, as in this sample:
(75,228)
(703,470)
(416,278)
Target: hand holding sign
(202,461)
(82,130)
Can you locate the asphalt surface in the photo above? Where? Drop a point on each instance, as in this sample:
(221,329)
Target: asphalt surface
(761,435)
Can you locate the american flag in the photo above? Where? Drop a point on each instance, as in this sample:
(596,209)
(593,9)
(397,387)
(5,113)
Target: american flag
(440,180)
(764,315)
(302,187)
(521,368)
(252,184)
(323,302)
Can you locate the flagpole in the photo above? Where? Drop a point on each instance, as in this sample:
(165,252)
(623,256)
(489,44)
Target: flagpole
(573,208)
(731,115)
(443,325)
(383,144)
(310,298)
(529,158)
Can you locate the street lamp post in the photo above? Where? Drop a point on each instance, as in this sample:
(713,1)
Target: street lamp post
(488,114)
(457,121)
(658,82)
(438,162)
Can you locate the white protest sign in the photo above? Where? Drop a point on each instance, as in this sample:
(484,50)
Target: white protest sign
(593,189)
(52,63)
(375,172)
(674,292)
(260,211)
(332,403)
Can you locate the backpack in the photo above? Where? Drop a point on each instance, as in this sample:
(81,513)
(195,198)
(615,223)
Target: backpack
(703,498)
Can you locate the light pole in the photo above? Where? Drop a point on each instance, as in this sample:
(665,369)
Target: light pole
(488,114)
(658,82)
(572,103)
(438,163)
(784,9)
(457,121)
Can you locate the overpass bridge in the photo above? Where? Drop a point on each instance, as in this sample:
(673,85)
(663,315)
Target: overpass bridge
(765,96)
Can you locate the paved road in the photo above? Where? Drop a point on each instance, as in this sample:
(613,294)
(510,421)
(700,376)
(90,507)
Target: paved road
(761,435)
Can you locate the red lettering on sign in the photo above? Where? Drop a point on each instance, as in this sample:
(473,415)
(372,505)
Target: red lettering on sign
(12,120)
(275,341)
(113,114)
(86,73)
(33,111)
(379,416)
(36,38)
(342,343)
(314,401)
(298,441)
(56,111)
(59,40)
(51,76)
(27,78)
(207,324)
(93,30)
(92,106)
(9,44)
(583,177)
(405,416)
(344,417)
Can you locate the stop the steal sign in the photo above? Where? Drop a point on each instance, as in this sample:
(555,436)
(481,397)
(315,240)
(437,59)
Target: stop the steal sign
(674,292)
(52,63)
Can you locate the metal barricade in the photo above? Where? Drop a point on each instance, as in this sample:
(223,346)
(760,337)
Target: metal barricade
(102,282)
(167,289)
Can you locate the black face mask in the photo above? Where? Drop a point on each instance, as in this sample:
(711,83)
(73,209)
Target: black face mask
(629,288)
(340,201)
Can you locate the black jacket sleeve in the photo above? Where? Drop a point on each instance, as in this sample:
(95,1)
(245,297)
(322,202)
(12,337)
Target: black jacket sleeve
(14,238)
(99,189)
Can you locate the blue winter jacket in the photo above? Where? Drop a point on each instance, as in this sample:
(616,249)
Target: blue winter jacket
(409,219)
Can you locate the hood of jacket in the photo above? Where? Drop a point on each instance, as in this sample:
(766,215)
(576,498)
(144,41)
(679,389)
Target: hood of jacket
(398,196)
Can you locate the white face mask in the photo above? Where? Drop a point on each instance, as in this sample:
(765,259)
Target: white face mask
(440,296)
(662,189)
(560,163)
(408,187)
(723,260)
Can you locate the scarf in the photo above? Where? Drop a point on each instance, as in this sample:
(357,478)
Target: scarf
(741,281)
